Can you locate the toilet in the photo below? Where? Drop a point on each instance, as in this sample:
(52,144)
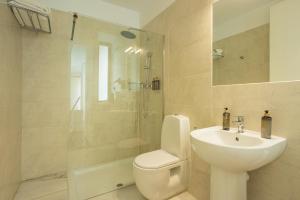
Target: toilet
(163,173)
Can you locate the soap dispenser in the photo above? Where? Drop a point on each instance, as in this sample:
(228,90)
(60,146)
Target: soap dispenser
(266,125)
(226,119)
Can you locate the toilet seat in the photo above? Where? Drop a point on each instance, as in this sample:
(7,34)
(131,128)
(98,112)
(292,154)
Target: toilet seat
(163,182)
(155,159)
(163,173)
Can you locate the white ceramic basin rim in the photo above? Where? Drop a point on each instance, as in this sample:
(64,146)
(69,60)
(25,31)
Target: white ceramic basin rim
(236,152)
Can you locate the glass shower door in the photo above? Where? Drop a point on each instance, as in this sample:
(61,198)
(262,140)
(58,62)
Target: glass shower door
(112,118)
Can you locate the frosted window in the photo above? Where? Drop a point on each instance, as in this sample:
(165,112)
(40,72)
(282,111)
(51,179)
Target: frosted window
(76,93)
(103,73)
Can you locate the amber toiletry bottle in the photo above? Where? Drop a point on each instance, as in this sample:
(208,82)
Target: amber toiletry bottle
(226,120)
(266,125)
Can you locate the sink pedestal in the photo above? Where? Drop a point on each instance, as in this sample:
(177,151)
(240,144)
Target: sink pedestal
(231,157)
(226,185)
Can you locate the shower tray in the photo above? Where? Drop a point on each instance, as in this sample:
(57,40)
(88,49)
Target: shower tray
(93,181)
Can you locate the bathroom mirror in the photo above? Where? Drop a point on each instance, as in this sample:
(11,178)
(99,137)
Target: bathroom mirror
(255,41)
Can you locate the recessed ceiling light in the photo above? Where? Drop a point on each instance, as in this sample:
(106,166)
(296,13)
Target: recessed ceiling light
(128,49)
(138,51)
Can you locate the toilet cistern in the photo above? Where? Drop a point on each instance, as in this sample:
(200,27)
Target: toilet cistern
(163,173)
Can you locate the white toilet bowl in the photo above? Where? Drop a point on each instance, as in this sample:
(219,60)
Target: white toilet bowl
(163,173)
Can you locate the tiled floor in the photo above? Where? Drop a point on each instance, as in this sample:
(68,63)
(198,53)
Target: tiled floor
(56,189)
(43,189)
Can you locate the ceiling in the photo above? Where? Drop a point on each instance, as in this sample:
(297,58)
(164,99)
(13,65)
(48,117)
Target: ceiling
(148,9)
(137,5)
(225,10)
(131,13)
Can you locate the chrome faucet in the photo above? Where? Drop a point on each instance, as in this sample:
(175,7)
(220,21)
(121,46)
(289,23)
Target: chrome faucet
(240,123)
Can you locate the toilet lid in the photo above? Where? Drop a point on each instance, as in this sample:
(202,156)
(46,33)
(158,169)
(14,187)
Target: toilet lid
(155,159)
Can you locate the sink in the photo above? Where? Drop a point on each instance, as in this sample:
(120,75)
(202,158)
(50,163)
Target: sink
(236,152)
(231,155)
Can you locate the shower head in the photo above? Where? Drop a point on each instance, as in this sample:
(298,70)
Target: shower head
(128,34)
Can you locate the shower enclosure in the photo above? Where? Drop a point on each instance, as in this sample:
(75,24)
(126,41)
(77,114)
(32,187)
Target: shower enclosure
(115,113)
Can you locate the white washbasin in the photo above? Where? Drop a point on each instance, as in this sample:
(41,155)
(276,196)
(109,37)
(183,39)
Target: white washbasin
(231,155)
(236,152)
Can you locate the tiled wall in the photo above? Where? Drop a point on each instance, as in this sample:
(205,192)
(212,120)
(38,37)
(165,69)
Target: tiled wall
(45,98)
(187,28)
(111,129)
(246,58)
(116,129)
(10,104)
(111,124)
(151,101)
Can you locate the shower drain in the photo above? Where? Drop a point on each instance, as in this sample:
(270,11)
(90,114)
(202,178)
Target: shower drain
(119,185)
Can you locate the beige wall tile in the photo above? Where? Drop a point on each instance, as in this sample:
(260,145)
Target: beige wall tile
(48,145)
(45,99)
(188,90)
(187,27)
(279,179)
(10,104)
(253,46)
